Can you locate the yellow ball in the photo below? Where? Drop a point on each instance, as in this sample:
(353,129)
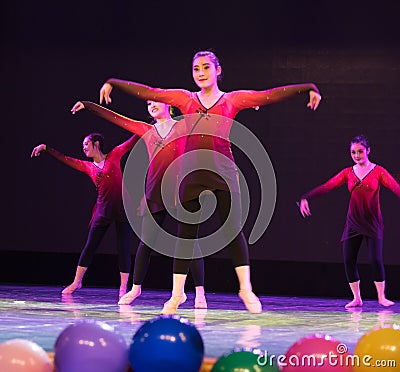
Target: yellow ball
(379,349)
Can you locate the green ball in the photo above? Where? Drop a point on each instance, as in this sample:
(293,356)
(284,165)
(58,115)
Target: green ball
(245,360)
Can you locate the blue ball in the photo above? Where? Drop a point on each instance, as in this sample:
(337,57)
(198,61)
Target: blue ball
(167,343)
(90,346)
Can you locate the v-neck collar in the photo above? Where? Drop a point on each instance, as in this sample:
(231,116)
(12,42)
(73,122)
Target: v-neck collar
(168,133)
(362,179)
(209,108)
(104,164)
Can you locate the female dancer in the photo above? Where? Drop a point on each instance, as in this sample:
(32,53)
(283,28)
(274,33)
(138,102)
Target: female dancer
(208,127)
(364,218)
(105,172)
(165,143)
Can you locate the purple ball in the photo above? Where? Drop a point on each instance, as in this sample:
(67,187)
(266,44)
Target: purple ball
(90,346)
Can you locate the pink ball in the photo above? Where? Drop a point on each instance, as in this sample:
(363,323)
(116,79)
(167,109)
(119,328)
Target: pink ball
(18,355)
(317,353)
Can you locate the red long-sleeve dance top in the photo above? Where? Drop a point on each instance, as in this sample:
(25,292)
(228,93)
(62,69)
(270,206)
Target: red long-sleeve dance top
(108,181)
(208,128)
(162,152)
(364,215)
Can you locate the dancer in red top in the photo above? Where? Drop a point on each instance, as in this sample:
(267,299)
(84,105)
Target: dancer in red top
(165,142)
(364,218)
(209,114)
(105,172)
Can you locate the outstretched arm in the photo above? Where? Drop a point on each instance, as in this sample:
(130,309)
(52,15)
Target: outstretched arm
(252,98)
(389,182)
(77,164)
(134,126)
(126,146)
(336,181)
(173,97)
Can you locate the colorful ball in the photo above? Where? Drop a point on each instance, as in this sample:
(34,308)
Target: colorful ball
(246,360)
(379,348)
(167,343)
(316,353)
(90,346)
(18,355)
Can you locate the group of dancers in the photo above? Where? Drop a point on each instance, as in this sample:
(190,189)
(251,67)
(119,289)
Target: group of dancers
(208,115)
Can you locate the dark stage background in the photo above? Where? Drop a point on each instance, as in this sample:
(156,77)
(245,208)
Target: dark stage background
(54,54)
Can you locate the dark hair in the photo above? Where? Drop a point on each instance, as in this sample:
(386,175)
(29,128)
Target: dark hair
(361,139)
(171,112)
(210,54)
(97,137)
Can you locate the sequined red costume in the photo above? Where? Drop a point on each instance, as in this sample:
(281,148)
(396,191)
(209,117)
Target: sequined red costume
(364,215)
(109,205)
(208,130)
(162,152)
(108,181)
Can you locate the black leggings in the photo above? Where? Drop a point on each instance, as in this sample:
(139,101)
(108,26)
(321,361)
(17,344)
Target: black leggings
(142,258)
(124,239)
(238,248)
(351,248)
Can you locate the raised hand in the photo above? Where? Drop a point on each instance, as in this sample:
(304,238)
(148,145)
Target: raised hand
(315,99)
(304,208)
(38,150)
(105,92)
(77,107)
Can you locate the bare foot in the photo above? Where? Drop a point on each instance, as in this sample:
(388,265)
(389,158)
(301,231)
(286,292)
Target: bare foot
(172,304)
(356,302)
(200,302)
(386,302)
(130,296)
(72,288)
(251,301)
(122,292)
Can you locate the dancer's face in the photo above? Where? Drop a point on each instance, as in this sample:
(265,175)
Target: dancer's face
(205,73)
(359,153)
(158,109)
(88,147)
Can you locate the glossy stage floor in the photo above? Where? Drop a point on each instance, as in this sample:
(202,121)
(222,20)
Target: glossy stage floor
(39,314)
